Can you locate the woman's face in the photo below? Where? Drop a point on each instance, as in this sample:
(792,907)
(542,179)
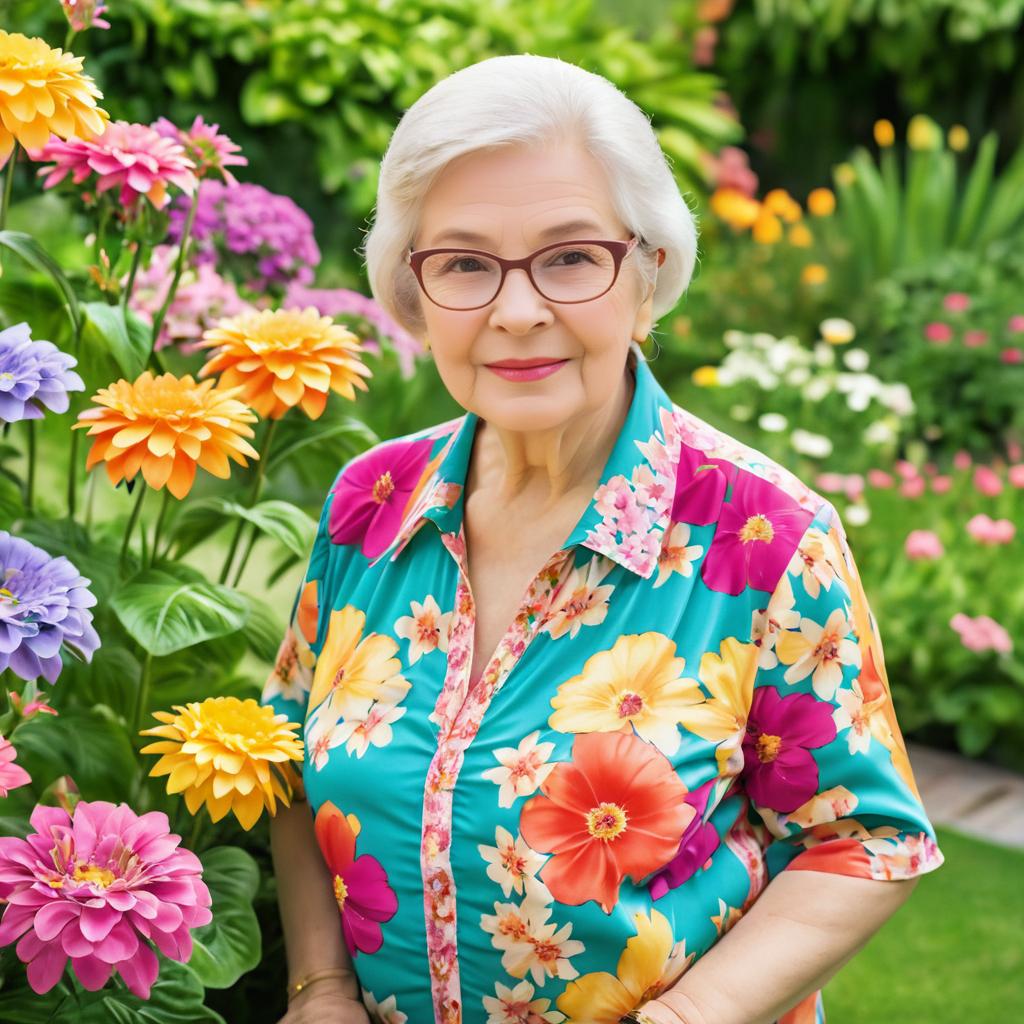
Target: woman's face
(510,197)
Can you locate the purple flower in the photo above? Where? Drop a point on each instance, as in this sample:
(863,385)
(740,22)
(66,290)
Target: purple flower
(33,374)
(43,605)
(344,302)
(266,237)
(779,770)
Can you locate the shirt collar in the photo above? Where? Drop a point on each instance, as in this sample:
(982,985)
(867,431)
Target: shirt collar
(629,513)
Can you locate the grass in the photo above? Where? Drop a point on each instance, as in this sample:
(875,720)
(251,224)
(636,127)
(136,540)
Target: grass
(953,952)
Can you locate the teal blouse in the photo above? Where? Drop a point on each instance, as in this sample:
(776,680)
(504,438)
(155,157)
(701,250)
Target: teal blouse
(691,698)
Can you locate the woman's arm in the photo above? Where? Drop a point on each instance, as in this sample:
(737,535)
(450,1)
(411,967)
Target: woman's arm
(309,913)
(798,933)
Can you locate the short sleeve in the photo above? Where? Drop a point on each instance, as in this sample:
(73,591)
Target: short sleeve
(825,766)
(290,682)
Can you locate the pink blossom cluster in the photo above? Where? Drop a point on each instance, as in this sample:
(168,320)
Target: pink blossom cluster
(923,545)
(940,332)
(981,633)
(991,531)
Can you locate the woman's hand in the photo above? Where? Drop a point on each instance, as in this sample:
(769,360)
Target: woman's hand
(325,1002)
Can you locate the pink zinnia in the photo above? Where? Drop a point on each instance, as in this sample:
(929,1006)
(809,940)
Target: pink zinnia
(84,14)
(779,770)
(941,483)
(11,775)
(957,302)
(938,333)
(134,157)
(207,148)
(1012,356)
(991,531)
(975,339)
(99,886)
(923,545)
(371,495)
(987,482)
(981,634)
(758,531)
(1016,475)
(913,487)
(1015,325)
(962,460)
(880,479)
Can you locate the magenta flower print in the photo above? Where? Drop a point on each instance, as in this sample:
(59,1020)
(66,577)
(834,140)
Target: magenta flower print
(371,495)
(758,529)
(98,887)
(779,770)
(11,775)
(699,842)
(701,484)
(365,898)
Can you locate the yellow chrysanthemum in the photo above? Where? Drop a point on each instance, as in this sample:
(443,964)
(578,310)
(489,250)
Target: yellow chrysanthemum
(885,134)
(821,202)
(231,755)
(43,90)
(165,427)
(814,273)
(767,229)
(285,357)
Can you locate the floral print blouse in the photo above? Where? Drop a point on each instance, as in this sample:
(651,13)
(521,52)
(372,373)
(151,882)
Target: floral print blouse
(690,699)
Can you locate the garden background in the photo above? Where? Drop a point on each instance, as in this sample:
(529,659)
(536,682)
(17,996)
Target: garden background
(857,172)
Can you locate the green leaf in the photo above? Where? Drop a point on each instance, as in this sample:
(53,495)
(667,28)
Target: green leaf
(278,519)
(264,630)
(230,944)
(165,613)
(107,330)
(32,252)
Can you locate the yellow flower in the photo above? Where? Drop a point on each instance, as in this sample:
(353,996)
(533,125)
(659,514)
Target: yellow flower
(723,719)
(352,671)
(923,133)
(705,376)
(43,90)
(637,681)
(650,964)
(767,228)
(734,207)
(285,357)
(821,202)
(885,134)
(959,138)
(837,331)
(814,273)
(845,174)
(229,754)
(165,427)
(782,204)
(800,236)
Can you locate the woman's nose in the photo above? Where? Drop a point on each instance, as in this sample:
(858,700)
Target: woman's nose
(518,305)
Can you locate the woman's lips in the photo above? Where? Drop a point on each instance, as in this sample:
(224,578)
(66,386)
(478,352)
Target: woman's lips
(526,371)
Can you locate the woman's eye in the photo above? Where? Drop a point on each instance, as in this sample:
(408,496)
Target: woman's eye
(459,265)
(570,253)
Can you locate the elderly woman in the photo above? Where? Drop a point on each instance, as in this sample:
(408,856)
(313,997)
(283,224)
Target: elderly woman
(596,719)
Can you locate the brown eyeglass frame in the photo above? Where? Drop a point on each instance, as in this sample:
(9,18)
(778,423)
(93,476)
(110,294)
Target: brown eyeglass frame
(618,248)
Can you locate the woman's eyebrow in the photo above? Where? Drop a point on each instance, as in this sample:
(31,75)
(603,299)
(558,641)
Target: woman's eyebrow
(462,236)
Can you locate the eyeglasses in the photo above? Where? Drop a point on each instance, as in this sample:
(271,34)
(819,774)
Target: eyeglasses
(575,271)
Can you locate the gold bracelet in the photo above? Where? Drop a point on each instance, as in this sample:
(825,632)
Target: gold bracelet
(328,972)
(636,1016)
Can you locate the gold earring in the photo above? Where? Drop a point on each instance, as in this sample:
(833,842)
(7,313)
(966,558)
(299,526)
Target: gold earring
(426,344)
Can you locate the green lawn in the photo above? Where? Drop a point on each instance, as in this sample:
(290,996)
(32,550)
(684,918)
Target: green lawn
(954,952)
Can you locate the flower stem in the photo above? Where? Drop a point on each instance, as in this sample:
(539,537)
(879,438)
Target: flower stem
(193,838)
(131,521)
(254,496)
(8,185)
(253,534)
(69,38)
(30,476)
(130,284)
(142,697)
(159,523)
(179,263)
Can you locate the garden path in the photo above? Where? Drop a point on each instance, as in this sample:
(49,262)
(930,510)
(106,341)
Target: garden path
(974,798)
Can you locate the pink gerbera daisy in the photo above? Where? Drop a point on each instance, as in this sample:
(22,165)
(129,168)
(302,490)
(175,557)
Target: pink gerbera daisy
(99,887)
(11,775)
(135,157)
(758,531)
(208,149)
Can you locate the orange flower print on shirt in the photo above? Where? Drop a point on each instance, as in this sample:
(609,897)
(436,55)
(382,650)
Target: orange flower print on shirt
(819,651)
(426,629)
(651,963)
(618,808)
(639,682)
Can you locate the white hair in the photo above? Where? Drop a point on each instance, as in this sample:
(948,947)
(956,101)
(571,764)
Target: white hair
(516,99)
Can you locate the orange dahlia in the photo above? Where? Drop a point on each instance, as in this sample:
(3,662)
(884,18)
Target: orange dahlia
(43,90)
(285,357)
(165,427)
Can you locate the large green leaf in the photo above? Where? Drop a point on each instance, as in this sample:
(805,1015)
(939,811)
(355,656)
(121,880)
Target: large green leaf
(165,613)
(109,331)
(281,520)
(33,253)
(264,630)
(230,944)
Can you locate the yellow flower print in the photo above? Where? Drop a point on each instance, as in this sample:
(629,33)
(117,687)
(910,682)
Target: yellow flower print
(353,671)
(638,681)
(723,719)
(819,652)
(650,964)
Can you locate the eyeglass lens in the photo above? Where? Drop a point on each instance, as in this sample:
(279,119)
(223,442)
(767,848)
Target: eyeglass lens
(573,273)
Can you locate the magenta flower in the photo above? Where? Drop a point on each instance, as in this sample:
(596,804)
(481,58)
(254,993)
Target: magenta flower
(779,770)
(981,634)
(698,843)
(99,887)
(701,483)
(371,495)
(207,148)
(957,302)
(987,482)
(991,531)
(758,530)
(923,545)
(11,775)
(938,333)
(134,157)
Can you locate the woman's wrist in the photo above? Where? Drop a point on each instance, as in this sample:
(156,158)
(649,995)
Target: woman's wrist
(323,977)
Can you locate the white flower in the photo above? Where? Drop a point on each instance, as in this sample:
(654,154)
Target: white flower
(824,355)
(734,339)
(817,446)
(897,398)
(522,768)
(516,1005)
(514,865)
(798,376)
(857,515)
(837,330)
(773,422)
(859,389)
(741,413)
(856,359)
(815,390)
(879,432)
